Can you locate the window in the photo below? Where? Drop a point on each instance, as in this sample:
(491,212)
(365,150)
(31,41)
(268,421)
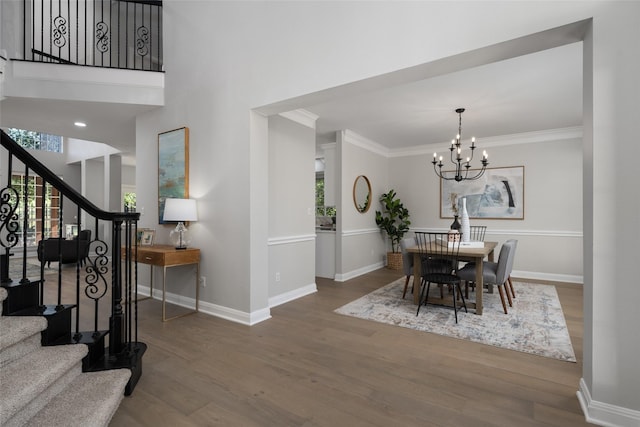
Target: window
(36,140)
(321,209)
(130,202)
(43,208)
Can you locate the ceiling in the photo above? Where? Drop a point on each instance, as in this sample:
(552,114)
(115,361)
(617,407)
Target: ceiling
(538,91)
(112,124)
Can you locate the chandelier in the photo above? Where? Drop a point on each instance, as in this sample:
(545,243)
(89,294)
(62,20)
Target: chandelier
(462,166)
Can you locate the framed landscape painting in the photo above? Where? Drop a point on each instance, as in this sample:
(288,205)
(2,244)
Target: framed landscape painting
(173,167)
(498,194)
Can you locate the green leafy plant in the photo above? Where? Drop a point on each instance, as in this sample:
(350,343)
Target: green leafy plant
(394,219)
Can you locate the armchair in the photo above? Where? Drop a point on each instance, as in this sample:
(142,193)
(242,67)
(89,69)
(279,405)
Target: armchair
(65,251)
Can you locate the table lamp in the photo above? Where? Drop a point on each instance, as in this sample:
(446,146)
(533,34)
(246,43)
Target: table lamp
(180,210)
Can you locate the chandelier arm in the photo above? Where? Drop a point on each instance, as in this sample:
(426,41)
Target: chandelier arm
(478,175)
(439,172)
(472,148)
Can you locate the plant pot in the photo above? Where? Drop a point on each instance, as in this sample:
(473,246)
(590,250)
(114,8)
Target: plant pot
(394,260)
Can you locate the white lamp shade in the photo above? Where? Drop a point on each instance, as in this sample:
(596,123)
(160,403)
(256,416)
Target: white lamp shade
(180,210)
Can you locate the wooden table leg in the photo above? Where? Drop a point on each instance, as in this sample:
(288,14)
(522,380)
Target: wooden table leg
(417,275)
(479,285)
(164,291)
(480,281)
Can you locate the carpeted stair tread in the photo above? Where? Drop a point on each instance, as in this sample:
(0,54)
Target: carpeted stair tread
(3,296)
(13,329)
(31,381)
(90,400)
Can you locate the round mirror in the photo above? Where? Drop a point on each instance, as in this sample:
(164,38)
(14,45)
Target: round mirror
(362,194)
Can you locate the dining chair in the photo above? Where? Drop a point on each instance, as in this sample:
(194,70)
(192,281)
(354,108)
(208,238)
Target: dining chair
(495,273)
(439,266)
(407,262)
(477,232)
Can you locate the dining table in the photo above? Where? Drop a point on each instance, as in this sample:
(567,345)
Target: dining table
(465,254)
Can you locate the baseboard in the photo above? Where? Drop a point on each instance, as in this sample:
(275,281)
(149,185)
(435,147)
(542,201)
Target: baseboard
(604,414)
(551,277)
(216,310)
(359,272)
(292,295)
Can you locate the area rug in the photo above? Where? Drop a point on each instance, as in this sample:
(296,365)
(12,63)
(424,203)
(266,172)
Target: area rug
(15,268)
(535,324)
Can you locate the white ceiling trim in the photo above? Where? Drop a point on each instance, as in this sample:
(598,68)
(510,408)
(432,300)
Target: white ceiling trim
(303,117)
(358,140)
(497,141)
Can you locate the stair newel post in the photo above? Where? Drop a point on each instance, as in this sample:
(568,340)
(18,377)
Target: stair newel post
(116,322)
(128,238)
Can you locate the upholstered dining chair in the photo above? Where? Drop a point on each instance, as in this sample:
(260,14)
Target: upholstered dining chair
(407,262)
(495,273)
(439,266)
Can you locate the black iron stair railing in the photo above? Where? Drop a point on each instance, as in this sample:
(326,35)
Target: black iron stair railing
(96,277)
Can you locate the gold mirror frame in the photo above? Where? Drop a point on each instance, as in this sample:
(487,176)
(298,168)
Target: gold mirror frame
(362,194)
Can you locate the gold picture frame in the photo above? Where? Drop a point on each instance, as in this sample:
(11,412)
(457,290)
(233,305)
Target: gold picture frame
(173,167)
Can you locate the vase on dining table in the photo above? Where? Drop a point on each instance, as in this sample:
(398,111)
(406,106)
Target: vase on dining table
(455,225)
(465,228)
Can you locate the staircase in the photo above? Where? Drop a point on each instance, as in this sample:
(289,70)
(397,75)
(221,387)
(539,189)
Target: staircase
(59,393)
(57,366)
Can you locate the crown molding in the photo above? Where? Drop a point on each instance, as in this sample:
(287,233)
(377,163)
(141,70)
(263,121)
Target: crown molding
(329,145)
(300,116)
(549,135)
(360,141)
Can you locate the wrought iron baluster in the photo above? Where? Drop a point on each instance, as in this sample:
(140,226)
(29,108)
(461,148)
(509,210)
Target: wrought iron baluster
(25,223)
(60,227)
(78,263)
(9,201)
(40,243)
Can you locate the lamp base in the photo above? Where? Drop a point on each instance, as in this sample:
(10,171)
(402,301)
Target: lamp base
(180,237)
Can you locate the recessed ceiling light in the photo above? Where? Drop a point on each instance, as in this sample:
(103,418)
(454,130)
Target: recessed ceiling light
(80,124)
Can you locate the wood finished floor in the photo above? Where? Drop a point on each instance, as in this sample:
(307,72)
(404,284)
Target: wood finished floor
(307,366)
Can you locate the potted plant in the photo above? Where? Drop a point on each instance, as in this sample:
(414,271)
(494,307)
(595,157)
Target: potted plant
(394,220)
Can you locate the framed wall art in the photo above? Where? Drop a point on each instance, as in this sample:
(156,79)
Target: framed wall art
(498,194)
(173,167)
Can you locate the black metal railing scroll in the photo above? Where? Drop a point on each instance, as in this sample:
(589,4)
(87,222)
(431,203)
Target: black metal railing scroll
(124,34)
(96,277)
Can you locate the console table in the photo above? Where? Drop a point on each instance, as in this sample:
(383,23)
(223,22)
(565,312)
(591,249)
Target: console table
(167,256)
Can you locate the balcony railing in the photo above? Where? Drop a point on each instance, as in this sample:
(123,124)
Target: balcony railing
(123,34)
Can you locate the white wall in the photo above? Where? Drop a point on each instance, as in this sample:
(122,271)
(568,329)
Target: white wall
(550,235)
(291,210)
(279,56)
(360,245)
(128,176)
(93,182)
